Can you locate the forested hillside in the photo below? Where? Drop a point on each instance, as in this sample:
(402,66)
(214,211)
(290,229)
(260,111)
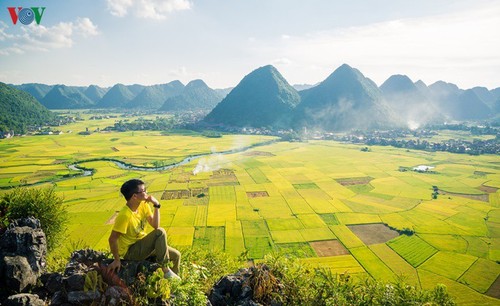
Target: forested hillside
(18,110)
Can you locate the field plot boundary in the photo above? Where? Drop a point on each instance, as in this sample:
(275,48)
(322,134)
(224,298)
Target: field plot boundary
(494,290)
(209,237)
(399,266)
(336,264)
(372,264)
(482,276)
(348,238)
(477,197)
(328,248)
(373,233)
(463,295)
(412,248)
(234,242)
(300,198)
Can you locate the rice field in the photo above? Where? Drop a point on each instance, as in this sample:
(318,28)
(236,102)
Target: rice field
(299,198)
(412,249)
(481,275)
(448,264)
(399,266)
(337,264)
(372,264)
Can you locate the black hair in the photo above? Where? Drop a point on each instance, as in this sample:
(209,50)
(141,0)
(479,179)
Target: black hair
(130,187)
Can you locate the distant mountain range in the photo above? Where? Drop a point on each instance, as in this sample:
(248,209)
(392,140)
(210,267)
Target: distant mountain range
(173,96)
(348,100)
(62,96)
(411,101)
(344,100)
(196,95)
(153,97)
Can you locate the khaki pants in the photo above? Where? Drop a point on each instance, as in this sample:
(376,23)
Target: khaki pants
(155,243)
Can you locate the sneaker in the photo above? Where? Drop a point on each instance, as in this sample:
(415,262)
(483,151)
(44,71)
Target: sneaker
(171,275)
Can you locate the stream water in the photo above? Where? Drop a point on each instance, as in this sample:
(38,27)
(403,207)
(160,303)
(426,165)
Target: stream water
(122,165)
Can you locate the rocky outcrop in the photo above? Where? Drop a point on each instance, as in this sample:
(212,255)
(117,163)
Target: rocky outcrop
(23,248)
(85,280)
(254,286)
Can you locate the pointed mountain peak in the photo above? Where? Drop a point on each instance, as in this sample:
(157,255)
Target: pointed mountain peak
(441,85)
(345,100)
(62,96)
(118,85)
(420,84)
(176,83)
(196,95)
(345,74)
(196,83)
(345,80)
(422,87)
(345,69)
(95,93)
(262,98)
(117,96)
(268,70)
(398,83)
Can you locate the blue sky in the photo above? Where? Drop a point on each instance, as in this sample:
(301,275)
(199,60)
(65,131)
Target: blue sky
(105,42)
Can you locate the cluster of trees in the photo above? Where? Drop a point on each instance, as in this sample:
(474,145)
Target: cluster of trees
(19,111)
(474,130)
(158,124)
(475,147)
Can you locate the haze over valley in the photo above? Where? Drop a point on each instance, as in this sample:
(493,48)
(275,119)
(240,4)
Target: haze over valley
(345,100)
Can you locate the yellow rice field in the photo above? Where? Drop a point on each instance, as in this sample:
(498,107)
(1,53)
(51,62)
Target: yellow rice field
(284,194)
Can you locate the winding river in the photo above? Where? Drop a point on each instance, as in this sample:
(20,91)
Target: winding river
(126,166)
(89,172)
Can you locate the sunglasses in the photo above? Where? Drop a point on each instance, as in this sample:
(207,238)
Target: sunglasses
(141,191)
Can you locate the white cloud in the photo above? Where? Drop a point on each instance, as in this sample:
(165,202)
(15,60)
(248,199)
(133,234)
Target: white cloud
(149,9)
(3,34)
(85,27)
(41,38)
(447,44)
(180,72)
(282,61)
(119,7)
(38,37)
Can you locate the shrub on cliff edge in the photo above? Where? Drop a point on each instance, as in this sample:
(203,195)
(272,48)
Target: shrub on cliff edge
(41,203)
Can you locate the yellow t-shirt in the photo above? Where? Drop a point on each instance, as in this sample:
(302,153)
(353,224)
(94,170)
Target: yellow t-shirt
(131,225)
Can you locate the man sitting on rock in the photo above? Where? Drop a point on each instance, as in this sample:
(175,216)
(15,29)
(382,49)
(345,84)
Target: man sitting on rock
(129,239)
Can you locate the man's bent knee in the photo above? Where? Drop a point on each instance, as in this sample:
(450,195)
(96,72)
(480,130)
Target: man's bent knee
(160,232)
(175,255)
